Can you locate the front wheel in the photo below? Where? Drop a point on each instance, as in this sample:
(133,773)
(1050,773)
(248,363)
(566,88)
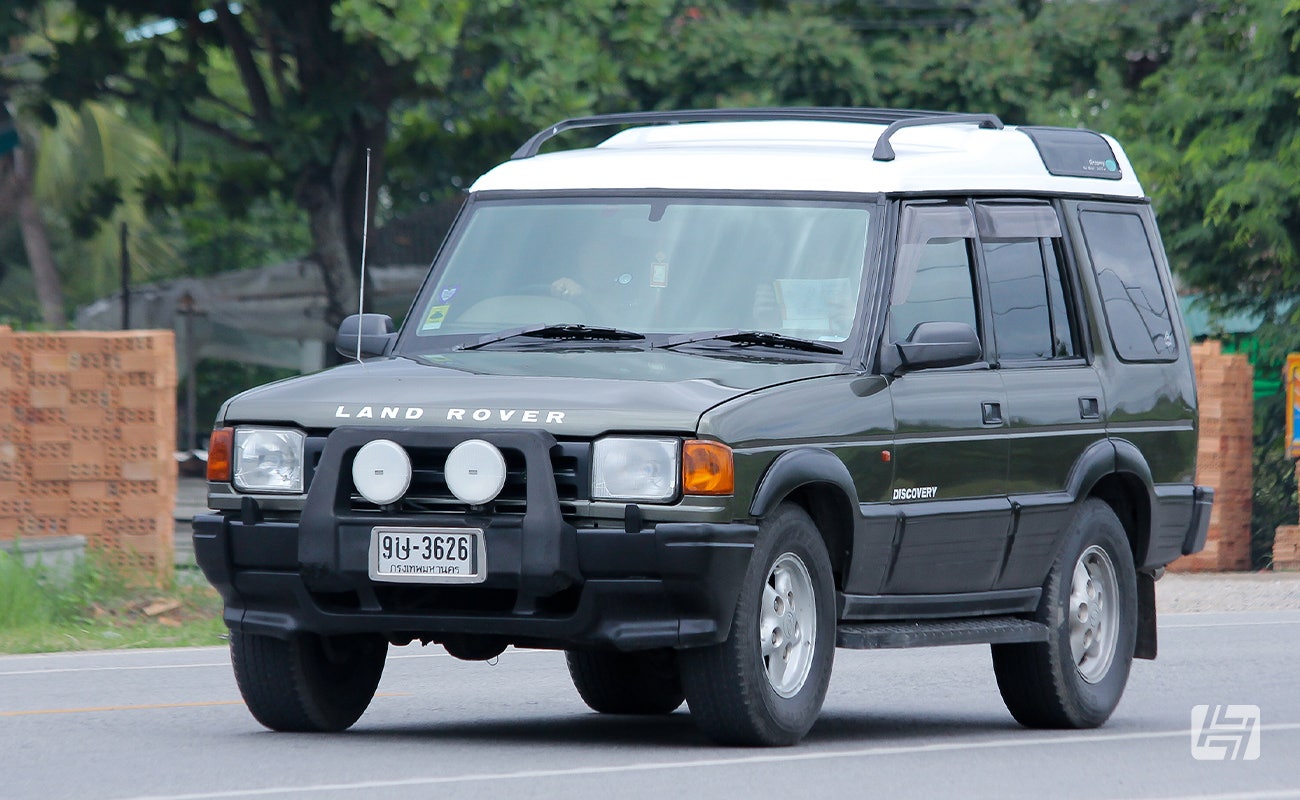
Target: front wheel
(307,683)
(765,684)
(1089,605)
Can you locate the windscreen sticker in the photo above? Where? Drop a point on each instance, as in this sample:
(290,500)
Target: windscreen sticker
(446,294)
(659,272)
(434,319)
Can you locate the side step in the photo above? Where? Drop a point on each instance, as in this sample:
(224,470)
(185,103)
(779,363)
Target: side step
(936,632)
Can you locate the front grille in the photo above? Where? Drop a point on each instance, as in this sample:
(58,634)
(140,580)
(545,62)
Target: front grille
(429,494)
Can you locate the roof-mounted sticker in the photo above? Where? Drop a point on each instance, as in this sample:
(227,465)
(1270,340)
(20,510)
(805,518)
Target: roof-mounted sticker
(1074,152)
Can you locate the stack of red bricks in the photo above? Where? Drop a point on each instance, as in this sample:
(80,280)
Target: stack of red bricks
(1286,544)
(1224,385)
(87,426)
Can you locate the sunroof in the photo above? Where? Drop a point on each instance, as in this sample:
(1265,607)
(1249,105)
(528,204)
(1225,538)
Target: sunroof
(1074,152)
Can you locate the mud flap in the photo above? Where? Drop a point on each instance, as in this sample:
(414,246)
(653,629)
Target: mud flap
(1145,647)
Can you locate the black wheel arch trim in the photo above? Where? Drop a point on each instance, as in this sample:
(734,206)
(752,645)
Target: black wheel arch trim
(1128,458)
(796,468)
(1093,464)
(1108,457)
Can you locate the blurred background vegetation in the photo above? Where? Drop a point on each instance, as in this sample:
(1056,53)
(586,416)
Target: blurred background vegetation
(227,136)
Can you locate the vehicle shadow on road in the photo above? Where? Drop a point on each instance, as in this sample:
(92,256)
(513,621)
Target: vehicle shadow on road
(588,729)
(847,727)
(676,730)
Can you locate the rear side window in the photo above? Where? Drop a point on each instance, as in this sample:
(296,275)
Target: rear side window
(1141,326)
(1031,318)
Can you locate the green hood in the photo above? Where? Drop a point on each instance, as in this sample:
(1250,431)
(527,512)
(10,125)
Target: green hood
(574,393)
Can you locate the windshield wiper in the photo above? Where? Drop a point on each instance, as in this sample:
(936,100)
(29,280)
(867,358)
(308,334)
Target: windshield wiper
(751,338)
(566,332)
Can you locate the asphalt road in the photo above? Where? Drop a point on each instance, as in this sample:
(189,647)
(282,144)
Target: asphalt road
(899,724)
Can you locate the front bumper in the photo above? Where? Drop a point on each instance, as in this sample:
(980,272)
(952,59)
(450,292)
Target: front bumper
(666,585)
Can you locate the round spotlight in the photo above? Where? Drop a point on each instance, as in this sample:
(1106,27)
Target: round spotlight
(475,472)
(382,471)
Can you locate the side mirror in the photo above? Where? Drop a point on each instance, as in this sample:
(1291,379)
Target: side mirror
(940,344)
(375,333)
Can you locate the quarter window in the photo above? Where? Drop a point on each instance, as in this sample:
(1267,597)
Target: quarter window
(1128,278)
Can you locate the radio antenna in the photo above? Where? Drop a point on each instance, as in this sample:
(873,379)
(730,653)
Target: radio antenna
(365,231)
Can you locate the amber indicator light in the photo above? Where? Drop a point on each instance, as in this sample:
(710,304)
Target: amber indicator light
(707,468)
(219,450)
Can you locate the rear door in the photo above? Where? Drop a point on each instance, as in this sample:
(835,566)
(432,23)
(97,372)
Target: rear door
(1054,403)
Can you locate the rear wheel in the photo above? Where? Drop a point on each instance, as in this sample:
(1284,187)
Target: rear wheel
(627,683)
(765,684)
(1076,678)
(307,683)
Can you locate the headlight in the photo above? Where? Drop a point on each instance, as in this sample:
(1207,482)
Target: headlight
(268,460)
(634,469)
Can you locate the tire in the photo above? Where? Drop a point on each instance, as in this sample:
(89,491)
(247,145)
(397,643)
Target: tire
(1076,678)
(765,684)
(627,683)
(307,683)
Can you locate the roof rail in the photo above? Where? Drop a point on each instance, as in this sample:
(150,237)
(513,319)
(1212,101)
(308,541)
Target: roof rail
(885,151)
(877,116)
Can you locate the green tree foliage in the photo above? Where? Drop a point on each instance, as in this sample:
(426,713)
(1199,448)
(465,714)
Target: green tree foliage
(1217,133)
(1275,500)
(1060,63)
(514,68)
(67,178)
(297,92)
(728,58)
(1221,146)
(88,165)
(521,66)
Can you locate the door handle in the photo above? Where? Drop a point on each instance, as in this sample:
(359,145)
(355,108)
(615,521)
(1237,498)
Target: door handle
(1089,408)
(992,413)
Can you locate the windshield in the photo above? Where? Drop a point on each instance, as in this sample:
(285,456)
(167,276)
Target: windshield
(653,266)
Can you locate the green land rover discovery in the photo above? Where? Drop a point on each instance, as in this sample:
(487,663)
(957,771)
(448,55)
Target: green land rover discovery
(727,391)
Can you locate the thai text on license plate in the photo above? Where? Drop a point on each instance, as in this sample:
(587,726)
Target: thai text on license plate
(427,555)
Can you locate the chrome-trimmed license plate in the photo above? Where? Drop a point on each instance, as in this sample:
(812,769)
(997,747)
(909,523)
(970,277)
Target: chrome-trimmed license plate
(427,555)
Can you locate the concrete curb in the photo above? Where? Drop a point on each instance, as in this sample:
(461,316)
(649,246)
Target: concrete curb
(1181,592)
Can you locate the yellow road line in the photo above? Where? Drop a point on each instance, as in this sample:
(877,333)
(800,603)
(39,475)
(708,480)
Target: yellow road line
(147,707)
(97,709)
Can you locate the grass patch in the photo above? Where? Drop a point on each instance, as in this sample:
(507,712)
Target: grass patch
(98,608)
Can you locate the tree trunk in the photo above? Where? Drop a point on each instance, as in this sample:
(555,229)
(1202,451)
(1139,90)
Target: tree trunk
(45,273)
(338,212)
(322,195)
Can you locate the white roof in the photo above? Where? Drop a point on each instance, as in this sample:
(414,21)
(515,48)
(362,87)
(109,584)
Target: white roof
(805,156)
